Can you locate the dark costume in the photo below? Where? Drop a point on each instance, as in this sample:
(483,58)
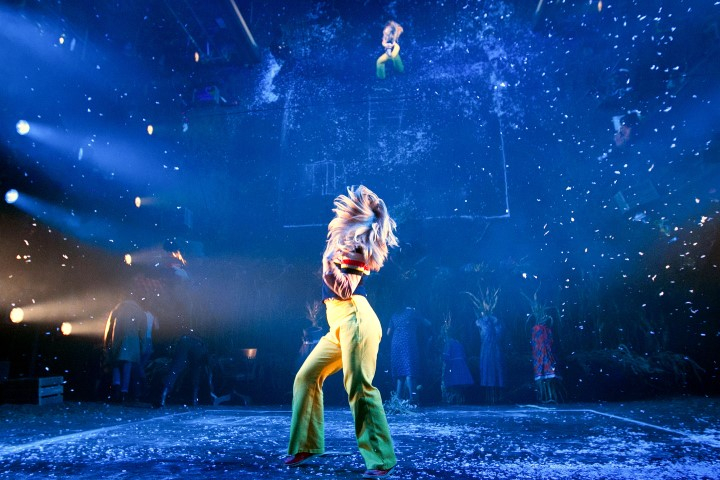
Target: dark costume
(456,372)
(405,352)
(189,352)
(491,362)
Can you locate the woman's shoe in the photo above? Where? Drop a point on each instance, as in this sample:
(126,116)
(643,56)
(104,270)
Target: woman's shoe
(377,473)
(298,459)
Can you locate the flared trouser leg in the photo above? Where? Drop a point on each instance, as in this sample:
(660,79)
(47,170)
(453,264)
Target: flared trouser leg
(360,338)
(380,66)
(307,431)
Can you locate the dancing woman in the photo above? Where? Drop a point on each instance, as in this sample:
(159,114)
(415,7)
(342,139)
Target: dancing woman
(358,240)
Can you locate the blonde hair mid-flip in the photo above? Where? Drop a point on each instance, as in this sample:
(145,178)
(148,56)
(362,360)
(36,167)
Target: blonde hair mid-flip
(361,224)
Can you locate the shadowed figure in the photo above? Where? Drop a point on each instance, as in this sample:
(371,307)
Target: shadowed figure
(190,353)
(405,351)
(491,359)
(124,338)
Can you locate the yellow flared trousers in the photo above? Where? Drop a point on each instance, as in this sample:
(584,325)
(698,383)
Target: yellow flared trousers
(394,56)
(351,345)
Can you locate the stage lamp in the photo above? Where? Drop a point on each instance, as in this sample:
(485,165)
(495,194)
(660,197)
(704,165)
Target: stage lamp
(197,57)
(66,328)
(11,196)
(150,129)
(128,259)
(138,202)
(22,127)
(17,315)
(250,353)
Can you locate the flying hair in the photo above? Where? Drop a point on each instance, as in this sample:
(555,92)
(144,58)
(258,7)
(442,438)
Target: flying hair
(361,224)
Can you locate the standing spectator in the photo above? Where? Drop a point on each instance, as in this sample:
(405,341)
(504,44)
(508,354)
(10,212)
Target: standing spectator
(491,359)
(405,351)
(456,376)
(544,362)
(124,338)
(311,334)
(189,352)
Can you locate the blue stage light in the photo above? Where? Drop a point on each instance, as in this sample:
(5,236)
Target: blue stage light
(11,196)
(22,127)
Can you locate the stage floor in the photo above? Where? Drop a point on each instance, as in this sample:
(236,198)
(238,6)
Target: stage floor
(670,439)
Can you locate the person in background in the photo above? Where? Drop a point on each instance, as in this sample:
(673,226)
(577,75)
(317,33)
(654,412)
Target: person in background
(123,345)
(312,334)
(624,125)
(491,359)
(456,374)
(391,34)
(189,352)
(405,351)
(544,362)
(147,290)
(358,241)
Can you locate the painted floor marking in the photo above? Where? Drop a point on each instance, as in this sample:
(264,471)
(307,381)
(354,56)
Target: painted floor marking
(12,449)
(711,442)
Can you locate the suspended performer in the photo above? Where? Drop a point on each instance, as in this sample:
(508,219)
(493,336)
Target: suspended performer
(391,33)
(358,240)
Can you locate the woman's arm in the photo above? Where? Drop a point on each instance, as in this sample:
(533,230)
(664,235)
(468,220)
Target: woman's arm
(343,278)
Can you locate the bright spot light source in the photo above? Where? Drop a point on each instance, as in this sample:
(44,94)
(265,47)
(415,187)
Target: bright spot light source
(22,127)
(17,315)
(128,259)
(61,40)
(197,57)
(250,353)
(66,328)
(600,6)
(11,196)
(150,129)
(138,202)
(177,255)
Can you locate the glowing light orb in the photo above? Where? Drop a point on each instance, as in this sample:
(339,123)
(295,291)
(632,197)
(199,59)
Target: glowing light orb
(66,328)
(17,315)
(250,353)
(197,57)
(150,129)
(61,40)
(22,127)
(138,202)
(128,259)
(11,196)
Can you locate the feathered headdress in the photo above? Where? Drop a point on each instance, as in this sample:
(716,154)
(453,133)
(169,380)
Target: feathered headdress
(361,224)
